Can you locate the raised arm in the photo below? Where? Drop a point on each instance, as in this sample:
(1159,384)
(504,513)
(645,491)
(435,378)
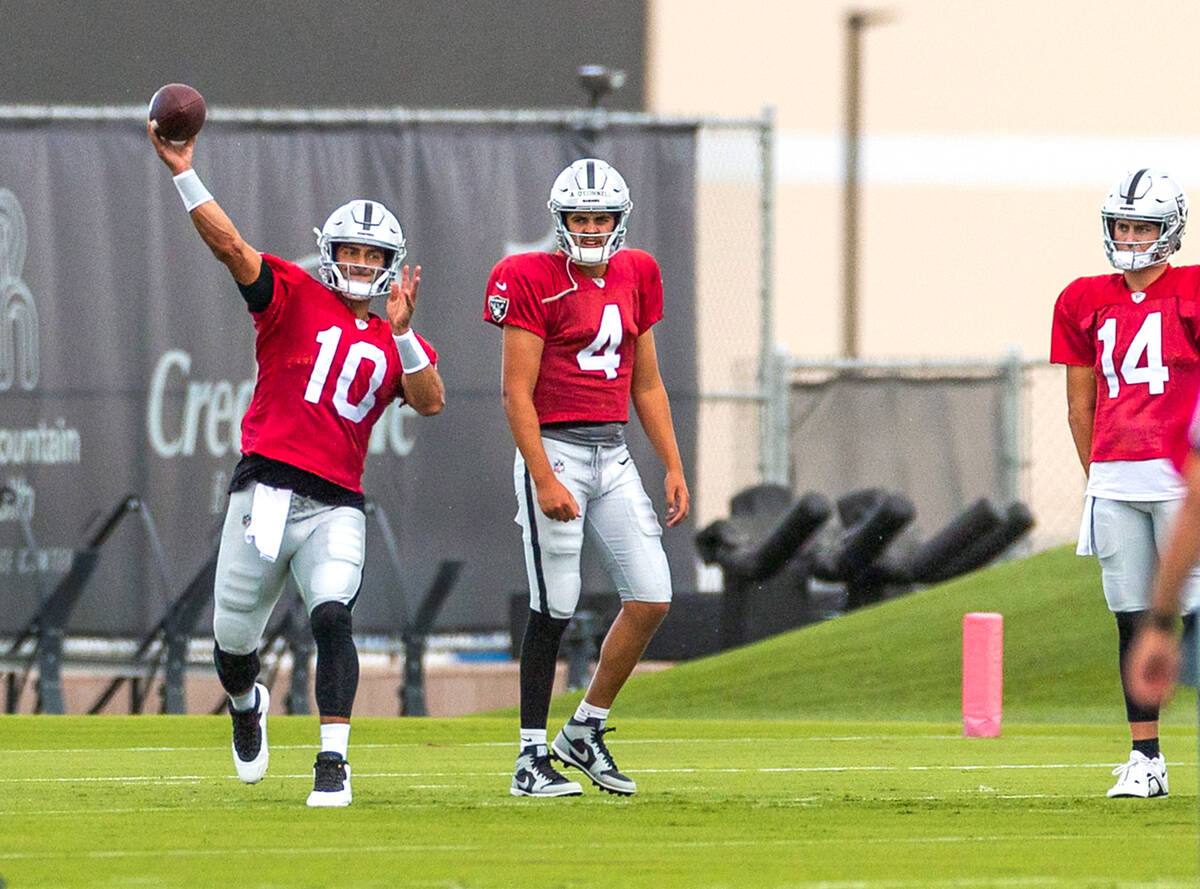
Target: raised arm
(215,227)
(423,388)
(654,410)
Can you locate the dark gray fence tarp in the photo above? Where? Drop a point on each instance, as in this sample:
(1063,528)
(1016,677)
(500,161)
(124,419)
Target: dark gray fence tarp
(126,352)
(937,440)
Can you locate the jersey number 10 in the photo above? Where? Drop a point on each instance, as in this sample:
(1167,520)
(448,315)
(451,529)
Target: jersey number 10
(1147,345)
(357,353)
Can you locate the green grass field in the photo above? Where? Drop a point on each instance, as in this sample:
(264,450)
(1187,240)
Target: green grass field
(827,758)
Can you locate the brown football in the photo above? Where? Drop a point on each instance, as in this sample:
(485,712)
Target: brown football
(177,112)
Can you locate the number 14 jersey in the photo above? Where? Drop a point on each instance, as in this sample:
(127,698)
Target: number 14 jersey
(1143,349)
(590,328)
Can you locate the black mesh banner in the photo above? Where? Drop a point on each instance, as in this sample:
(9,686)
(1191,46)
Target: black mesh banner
(936,438)
(126,353)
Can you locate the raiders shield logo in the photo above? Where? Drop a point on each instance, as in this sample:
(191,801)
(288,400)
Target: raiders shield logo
(497,307)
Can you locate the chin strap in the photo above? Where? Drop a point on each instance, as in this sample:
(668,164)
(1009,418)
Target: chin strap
(574,284)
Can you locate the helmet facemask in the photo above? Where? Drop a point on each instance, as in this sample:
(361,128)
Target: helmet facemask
(589,186)
(370,224)
(594,254)
(1144,196)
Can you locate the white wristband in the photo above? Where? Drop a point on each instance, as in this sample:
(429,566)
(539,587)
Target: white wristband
(191,189)
(412,354)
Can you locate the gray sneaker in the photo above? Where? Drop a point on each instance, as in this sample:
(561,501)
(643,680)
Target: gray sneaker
(581,744)
(535,775)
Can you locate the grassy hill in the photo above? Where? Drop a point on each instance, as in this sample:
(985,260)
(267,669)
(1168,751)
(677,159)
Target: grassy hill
(902,659)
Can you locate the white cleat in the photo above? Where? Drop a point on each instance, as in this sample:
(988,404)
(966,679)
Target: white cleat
(250,750)
(331,781)
(1140,777)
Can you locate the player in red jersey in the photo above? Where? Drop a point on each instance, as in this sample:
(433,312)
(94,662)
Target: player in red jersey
(327,368)
(1130,344)
(578,344)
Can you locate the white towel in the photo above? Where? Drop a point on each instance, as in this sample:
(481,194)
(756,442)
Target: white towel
(1086,546)
(268,516)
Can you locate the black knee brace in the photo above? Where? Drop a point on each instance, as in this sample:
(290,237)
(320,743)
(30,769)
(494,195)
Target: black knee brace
(539,655)
(337,659)
(237,672)
(1127,625)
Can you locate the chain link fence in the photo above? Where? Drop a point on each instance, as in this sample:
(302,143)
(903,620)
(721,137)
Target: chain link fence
(743,385)
(941,432)
(734,229)
(1053,481)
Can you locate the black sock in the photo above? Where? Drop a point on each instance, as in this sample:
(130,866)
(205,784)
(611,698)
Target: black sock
(1148,748)
(539,654)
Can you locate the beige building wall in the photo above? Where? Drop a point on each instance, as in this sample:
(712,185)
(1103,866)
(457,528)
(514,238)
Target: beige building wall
(991,133)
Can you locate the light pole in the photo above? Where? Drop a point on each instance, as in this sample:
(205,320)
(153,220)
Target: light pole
(597,81)
(856,21)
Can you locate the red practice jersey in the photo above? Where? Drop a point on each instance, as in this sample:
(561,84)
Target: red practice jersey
(324,378)
(590,328)
(1142,348)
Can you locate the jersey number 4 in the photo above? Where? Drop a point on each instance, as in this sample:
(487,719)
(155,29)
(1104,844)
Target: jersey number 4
(601,353)
(1143,359)
(355,356)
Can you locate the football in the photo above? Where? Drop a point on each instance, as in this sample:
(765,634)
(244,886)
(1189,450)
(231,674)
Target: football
(177,112)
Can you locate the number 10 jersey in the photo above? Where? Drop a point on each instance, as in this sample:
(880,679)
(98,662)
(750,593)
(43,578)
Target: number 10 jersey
(324,378)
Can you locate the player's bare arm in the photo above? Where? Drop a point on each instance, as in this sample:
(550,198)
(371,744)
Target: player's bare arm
(423,390)
(1154,658)
(1081,410)
(654,411)
(521,357)
(214,226)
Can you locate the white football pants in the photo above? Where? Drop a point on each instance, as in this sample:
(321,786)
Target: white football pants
(1127,536)
(615,514)
(323,546)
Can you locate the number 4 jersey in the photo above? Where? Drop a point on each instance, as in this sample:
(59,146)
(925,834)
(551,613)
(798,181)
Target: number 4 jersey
(1142,347)
(324,378)
(590,328)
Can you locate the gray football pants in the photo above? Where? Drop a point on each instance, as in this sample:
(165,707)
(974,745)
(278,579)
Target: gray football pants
(616,515)
(1127,536)
(323,547)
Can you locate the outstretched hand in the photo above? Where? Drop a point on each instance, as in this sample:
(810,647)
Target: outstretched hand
(177,156)
(402,301)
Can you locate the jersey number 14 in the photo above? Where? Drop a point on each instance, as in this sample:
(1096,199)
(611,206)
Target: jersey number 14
(1143,359)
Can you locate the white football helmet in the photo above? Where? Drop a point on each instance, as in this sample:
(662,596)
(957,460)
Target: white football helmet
(1148,195)
(590,186)
(361,222)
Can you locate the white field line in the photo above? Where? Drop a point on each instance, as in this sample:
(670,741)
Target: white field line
(407,744)
(175,779)
(500,802)
(655,844)
(617,742)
